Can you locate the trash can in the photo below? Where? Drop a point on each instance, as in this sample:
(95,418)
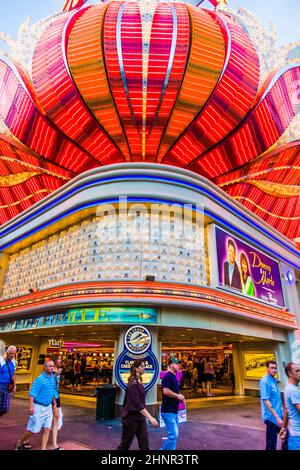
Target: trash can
(106,398)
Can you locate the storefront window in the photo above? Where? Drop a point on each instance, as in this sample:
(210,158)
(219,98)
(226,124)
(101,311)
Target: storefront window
(84,369)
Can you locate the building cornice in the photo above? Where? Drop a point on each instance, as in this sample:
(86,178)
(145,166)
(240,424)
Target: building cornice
(145,293)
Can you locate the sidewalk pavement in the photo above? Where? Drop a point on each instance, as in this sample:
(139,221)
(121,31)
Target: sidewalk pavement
(222,423)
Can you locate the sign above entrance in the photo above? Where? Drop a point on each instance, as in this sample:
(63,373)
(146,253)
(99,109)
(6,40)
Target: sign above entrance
(247,271)
(84,316)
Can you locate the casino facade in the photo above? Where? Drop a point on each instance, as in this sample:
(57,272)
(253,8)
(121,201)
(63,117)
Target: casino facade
(149,191)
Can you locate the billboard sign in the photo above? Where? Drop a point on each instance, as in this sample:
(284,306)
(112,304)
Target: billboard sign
(246,270)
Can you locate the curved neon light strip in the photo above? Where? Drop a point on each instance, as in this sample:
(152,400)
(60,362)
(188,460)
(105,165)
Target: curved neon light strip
(132,70)
(229,102)
(60,98)
(269,117)
(24,156)
(179,62)
(154,178)
(121,63)
(259,173)
(26,198)
(96,93)
(170,63)
(10,64)
(71,19)
(285,156)
(271,214)
(275,78)
(32,133)
(35,167)
(228,41)
(206,53)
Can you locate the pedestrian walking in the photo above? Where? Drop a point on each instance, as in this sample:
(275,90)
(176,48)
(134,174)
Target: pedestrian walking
(170,403)
(42,405)
(134,411)
(271,406)
(7,377)
(200,367)
(58,414)
(208,375)
(292,403)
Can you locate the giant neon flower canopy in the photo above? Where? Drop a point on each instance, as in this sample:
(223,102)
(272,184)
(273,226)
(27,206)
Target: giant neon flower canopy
(165,82)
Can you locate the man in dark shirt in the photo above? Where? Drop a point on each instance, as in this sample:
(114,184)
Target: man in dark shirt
(232,275)
(170,402)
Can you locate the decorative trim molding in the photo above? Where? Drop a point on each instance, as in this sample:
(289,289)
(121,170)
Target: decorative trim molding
(147,293)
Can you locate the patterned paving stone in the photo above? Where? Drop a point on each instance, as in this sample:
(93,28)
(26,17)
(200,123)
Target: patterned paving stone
(229,424)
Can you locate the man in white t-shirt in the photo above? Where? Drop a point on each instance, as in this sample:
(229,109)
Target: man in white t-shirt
(292,403)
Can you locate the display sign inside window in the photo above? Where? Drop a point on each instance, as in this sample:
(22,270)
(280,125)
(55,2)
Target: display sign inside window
(255,364)
(24,358)
(248,271)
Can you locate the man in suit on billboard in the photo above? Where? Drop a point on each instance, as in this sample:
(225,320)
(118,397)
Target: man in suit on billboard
(231,274)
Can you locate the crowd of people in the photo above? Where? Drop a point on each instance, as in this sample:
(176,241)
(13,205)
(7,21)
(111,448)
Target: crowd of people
(200,374)
(280,413)
(80,369)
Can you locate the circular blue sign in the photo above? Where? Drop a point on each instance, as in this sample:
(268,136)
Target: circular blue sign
(124,362)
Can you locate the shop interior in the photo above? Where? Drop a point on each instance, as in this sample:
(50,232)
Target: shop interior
(87,352)
(84,365)
(87,365)
(192,367)
(193,348)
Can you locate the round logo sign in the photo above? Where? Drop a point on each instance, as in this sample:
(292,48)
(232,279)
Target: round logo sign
(137,339)
(124,363)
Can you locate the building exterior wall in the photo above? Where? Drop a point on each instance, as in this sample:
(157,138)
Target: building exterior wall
(197,302)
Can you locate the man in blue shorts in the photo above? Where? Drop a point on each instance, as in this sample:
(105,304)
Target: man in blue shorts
(42,405)
(170,403)
(292,403)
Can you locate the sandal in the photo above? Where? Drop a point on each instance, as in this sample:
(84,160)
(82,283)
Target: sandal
(23,446)
(18,446)
(58,448)
(27,445)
